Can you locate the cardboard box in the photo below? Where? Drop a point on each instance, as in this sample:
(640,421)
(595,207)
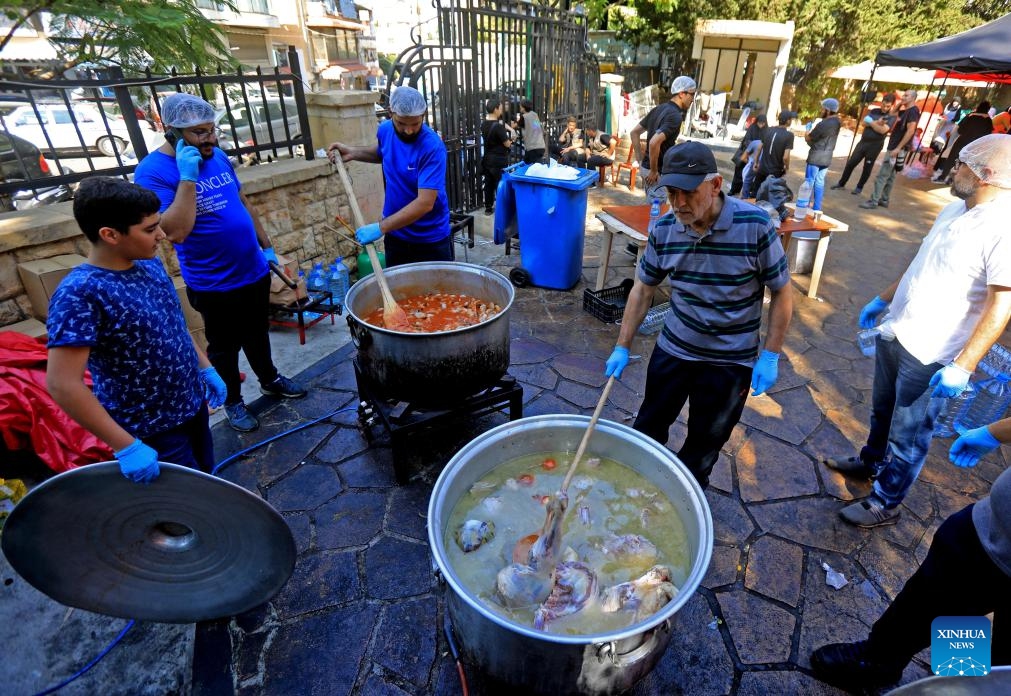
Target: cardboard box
(280,293)
(28,327)
(194,320)
(41,278)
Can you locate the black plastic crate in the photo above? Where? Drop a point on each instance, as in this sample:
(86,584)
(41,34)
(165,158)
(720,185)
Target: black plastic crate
(608,304)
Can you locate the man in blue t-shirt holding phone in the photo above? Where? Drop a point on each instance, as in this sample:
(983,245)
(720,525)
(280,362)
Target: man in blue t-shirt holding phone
(415,224)
(222,248)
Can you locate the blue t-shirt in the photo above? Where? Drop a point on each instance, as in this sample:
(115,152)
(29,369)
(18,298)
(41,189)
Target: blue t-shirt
(409,167)
(222,252)
(142,358)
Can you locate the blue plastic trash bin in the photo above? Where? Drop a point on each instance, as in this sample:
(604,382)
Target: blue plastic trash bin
(551,219)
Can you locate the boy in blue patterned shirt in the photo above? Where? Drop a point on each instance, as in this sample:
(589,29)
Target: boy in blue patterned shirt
(119,316)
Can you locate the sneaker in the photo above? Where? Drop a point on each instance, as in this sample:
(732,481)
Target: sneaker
(854,467)
(240,418)
(882,204)
(851,666)
(282,386)
(869,205)
(837,187)
(869,512)
(857,191)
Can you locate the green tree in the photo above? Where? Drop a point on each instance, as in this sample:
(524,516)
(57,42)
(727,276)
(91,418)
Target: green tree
(827,33)
(134,34)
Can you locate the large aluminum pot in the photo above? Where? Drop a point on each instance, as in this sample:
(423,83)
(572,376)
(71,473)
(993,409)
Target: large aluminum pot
(437,368)
(543,663)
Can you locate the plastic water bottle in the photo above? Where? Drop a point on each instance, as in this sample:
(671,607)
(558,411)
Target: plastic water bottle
(654,319)
(655,206)
(955,409)
(803,207)
(339,281)
(993,396)
(317,282)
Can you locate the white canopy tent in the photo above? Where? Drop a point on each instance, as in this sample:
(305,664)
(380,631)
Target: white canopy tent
(894,73)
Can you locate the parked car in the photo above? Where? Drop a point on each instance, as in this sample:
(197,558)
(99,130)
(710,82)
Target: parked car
(58,124)
(255,119)
(22,161)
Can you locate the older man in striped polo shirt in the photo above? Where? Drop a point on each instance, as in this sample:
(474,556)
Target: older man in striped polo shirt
(720,254)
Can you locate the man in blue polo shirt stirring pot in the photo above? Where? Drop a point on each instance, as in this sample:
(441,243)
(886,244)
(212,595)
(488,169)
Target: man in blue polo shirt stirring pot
(415,224)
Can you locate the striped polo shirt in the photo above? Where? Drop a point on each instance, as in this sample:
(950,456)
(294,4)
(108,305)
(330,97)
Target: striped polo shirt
(717,282)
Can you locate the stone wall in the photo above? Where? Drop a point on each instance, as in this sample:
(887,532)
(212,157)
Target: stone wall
(297,201)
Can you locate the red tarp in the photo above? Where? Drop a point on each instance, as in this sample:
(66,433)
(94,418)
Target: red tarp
(1001,79)
(30,419)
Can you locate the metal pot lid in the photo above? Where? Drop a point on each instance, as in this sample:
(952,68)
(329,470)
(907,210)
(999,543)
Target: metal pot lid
(187,547)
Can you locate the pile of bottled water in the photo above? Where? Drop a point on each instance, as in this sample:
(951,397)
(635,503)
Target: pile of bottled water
(986,399)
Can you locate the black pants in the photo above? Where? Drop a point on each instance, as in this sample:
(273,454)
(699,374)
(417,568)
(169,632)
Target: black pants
(492,175)
(236,320)
(188,444)
(594,161)
(400,251)
(957,578)
(738,181)
(534,156)
(868,152)
(716,396)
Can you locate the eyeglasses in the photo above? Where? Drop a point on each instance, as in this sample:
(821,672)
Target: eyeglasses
(204,133)
(958,164)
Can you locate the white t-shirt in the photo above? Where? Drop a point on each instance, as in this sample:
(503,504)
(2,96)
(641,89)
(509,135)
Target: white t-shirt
(941,295)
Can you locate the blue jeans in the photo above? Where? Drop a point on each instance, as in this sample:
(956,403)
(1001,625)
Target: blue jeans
(902,419)
(816,175)
(188,444)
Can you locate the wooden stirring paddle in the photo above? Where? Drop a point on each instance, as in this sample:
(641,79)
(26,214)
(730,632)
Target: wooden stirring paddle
(394,316)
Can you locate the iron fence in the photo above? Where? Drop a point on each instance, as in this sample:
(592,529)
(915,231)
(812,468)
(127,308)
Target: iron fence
(507,51)
(58,132)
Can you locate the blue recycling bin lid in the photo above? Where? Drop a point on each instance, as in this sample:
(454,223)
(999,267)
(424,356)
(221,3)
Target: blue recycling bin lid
(583,181)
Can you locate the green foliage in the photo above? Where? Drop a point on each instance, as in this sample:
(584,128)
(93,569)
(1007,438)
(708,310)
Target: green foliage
(134,34)
(827,33)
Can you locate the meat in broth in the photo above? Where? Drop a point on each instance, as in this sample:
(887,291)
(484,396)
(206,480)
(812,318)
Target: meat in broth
(600,567)
(441,311)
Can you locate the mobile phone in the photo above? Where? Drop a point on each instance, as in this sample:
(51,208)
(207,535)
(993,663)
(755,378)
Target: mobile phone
(172,136)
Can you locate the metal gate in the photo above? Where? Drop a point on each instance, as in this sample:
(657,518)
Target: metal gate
(510,50)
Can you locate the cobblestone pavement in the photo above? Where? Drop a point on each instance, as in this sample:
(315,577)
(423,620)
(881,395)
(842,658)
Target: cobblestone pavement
(363,614)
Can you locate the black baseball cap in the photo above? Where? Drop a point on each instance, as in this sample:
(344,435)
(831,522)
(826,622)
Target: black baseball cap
(685,166)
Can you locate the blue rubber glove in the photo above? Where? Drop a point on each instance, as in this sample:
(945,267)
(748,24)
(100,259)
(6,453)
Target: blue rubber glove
(368,233)
(765,373)
(950,381)
(869,314)
(188,160)
(138,462)
(270,255)
(617,362)
(215,390)
(971,445)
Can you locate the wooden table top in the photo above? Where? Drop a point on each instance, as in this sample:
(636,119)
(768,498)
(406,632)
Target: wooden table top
(637,217)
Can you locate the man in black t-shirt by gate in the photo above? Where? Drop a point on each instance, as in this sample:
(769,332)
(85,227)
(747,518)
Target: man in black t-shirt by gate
(902,135)
(497,141)
(661,125)
(877,123)
(773,155)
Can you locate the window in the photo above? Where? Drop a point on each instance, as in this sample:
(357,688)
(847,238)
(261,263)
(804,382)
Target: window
(211,5)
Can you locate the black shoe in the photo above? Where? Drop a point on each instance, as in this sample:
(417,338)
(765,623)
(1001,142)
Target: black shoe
(857,191)
(854,467)
(489,211)
(240,418)
(282,386)
(837,187)
(869,205)
(632,249)
(851,666)
(882,204)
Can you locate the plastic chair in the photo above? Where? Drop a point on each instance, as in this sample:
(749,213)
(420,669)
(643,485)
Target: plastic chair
(633,171)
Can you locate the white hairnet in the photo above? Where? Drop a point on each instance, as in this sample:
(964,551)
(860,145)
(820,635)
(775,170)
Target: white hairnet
(682,83)
(182,110)
(989,158)
(407,101)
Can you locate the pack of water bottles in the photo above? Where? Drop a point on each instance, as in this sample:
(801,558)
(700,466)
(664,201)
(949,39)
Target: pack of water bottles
(334,279)
(986,399)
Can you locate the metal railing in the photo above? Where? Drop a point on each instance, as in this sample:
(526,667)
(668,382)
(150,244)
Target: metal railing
(262,116)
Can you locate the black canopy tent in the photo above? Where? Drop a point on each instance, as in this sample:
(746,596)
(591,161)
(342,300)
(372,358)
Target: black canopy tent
(982,50)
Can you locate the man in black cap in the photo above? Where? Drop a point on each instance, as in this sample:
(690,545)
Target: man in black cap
(720,254)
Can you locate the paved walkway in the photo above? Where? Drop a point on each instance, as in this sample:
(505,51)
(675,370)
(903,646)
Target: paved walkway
(363,613)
